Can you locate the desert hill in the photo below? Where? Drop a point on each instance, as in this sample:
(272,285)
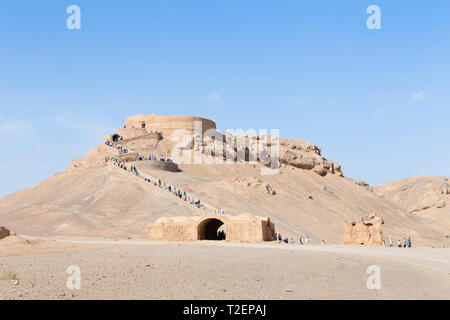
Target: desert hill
(424,197)
(418,194)
(102,200)
(309,195)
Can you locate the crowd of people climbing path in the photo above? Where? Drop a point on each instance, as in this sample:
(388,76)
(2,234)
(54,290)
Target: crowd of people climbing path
(116,146)
(182,195)
(154,158)
(122,149)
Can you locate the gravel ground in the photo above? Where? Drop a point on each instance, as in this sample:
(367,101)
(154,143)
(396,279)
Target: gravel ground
(210,270)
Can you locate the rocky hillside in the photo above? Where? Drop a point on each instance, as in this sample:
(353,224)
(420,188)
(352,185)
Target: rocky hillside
(418,194)
(309,195)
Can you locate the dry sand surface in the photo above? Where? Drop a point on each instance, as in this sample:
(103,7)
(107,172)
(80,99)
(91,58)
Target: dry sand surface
(19,246)
(218,270)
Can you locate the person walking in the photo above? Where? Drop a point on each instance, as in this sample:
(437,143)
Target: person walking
(390,242)
(307,239)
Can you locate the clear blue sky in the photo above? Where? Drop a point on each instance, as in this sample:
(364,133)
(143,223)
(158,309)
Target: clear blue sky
(377,101)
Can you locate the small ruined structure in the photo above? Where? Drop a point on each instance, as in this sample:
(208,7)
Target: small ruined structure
(367,231)
(242,228)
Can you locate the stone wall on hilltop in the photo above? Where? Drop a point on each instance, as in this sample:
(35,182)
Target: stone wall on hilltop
(168,124)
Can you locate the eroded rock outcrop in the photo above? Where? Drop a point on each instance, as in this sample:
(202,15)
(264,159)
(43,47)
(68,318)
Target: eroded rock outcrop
(242,148)
(428,200)
(4,233)
(366,231)
(295,153)
(364,185)
(256,184)
(445,188)
(303,155)
(417,194)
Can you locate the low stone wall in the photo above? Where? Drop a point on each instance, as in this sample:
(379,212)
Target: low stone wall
(148,136)
(125,157)
(169,230)
(128,157)
(168,124)
(159,165)
(128,133)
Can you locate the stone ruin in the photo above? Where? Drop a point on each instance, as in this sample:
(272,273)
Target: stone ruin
(367,231)
(152,126)
(242,228)
(224,145)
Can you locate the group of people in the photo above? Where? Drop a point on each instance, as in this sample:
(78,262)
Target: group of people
(135,170)
(405,243)
(219,211)
(116,146)
(118,163)
(152,157)
(172,189)
(183,195)
(303,240)
(221,235)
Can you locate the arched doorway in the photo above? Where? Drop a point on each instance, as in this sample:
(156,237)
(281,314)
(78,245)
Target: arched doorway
(211,229)
(115,137)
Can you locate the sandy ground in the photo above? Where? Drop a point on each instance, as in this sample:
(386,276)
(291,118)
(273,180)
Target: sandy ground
(219,270)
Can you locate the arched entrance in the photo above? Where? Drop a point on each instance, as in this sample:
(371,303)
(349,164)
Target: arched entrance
(115,137)
(211,229)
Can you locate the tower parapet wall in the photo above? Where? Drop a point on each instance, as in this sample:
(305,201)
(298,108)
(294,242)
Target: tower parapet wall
(166,125)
